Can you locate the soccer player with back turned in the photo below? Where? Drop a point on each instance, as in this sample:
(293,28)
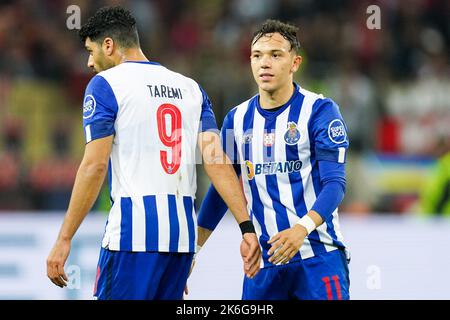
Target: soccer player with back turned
(289,145)
(143,122)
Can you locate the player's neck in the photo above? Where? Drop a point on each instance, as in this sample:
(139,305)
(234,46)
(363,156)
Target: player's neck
(270,100)
(133,54)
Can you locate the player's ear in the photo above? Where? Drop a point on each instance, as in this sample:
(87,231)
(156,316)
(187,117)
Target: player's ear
(108,46)
(296,63)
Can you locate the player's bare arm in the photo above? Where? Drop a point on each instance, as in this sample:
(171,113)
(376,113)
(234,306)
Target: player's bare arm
(89,179)
(287,243)
(219,169)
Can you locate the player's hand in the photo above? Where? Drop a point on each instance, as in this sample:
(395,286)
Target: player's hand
(55,263)
(251,254)
(186,289)
(285,244)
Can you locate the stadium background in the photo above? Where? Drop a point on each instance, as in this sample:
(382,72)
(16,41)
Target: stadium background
(392,85)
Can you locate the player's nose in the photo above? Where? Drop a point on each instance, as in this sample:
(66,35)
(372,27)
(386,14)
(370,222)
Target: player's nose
(265,62)
(90,62)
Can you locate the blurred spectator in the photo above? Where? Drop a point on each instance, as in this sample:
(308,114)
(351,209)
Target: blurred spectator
(435,196)
(51,179)
(392,84)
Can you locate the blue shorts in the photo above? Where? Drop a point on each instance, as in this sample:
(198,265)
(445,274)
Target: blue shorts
(323,277)
(123,275)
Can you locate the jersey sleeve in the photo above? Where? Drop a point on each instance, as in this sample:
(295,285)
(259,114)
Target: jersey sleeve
(329,132)
(207,118)
(99,109)
(332,177)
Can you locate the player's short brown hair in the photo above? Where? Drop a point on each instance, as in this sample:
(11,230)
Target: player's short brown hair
(288,31)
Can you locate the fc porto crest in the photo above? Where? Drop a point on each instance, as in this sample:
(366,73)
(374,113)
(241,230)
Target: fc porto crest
(292,134)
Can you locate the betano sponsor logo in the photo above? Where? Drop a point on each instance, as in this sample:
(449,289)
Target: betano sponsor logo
(269,168)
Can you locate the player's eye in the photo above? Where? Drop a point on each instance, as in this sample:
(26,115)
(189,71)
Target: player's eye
(256,56)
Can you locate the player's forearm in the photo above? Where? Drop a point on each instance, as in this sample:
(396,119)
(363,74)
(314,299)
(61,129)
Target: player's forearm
(88,182)
(203,235)
(224,179)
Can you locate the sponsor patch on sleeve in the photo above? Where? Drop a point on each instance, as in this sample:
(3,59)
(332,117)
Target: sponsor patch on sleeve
(336,131)
(88,106)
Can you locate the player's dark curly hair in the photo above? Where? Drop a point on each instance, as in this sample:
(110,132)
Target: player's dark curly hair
(114,22)
(288,31)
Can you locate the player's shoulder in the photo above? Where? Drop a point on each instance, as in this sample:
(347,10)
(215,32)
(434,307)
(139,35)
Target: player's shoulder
(189,82)
(320,102)
(243,106)
(97,83)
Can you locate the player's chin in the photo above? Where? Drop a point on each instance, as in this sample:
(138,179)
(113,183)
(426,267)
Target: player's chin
(267,86)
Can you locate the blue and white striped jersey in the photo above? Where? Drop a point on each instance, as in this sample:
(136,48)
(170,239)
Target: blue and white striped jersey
(155,116)
(278,154)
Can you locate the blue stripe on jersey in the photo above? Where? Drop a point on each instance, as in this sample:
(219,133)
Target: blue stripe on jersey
(151,223)
(188,207)
(295,177)
(247,129)
(110,182)
(258,212)
(257,205)
(174,224)
(144,62)
(271,179)
(126,208)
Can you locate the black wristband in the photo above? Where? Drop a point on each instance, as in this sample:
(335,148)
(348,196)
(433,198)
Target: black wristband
(247,227)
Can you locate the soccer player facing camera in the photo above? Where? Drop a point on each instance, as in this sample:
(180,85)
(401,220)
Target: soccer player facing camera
(289,146)
(143,122)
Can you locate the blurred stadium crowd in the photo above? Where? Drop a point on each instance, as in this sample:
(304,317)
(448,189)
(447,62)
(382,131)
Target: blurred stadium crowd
(392,85)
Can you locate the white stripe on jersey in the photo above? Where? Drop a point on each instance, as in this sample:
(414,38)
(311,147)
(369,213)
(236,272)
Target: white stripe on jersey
(138,224)
(183,245)
(304,155)
(258,232)
(284,185)
(270,220)
(337,227)
(111,238)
